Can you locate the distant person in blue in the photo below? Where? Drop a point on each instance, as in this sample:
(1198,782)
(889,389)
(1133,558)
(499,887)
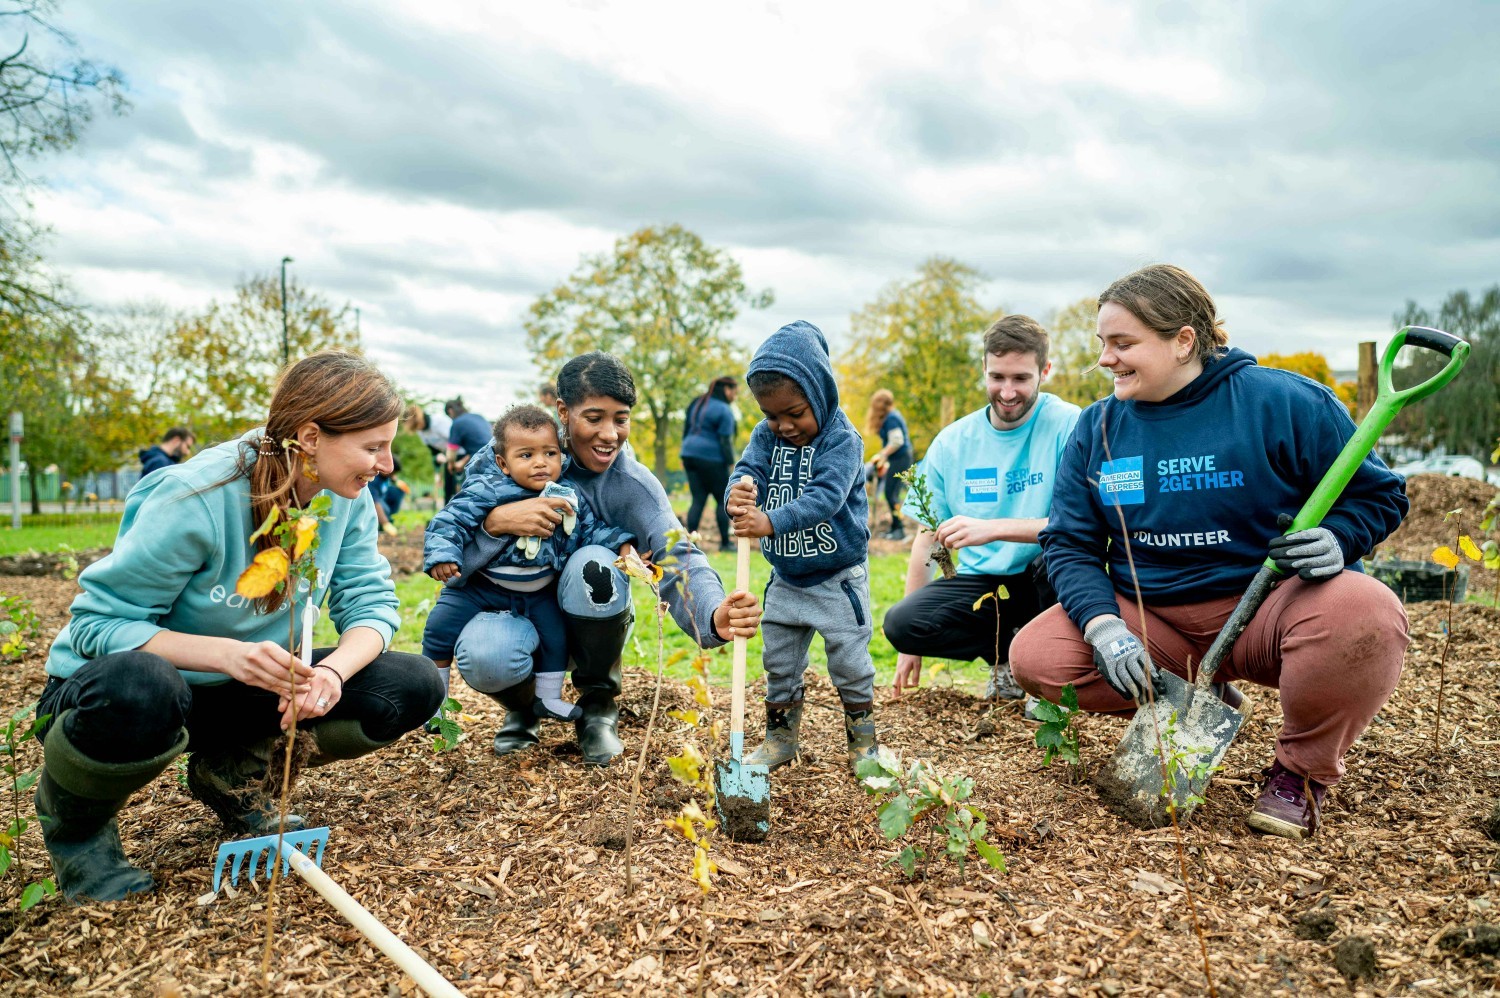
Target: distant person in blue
(175,447)
(468,434)
(521,575)
(895,455)
(807,505)
(991,473)
(708,453)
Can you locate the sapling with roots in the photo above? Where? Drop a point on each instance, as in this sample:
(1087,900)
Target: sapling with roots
(919,505)
(288,567)
(693,766)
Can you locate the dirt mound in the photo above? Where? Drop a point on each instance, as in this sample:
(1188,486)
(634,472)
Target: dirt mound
(50,563)
(508,874)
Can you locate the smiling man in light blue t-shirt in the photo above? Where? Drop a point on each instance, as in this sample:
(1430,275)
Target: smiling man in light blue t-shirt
(991,474)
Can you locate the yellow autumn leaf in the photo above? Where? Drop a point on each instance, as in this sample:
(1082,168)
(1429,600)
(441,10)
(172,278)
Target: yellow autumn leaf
(687,767)
(1002,593)
(686,716)
(699,686)
(1444,556)
(307,532)
(682,825)
(980,601)
(261,576)
(703,868)
(693,812)
(1467,546)
(634,566)
(266,524)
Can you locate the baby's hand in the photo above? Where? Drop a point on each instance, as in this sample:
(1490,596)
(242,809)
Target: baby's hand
(443,571)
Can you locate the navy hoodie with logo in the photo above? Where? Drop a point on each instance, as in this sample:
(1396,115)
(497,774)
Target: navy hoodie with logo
(813,495)
(1200,479)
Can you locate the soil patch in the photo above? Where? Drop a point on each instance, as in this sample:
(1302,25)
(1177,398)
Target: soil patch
(1355,958)
(50,563)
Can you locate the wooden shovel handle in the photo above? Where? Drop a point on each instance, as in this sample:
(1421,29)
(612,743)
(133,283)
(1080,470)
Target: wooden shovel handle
(737,690)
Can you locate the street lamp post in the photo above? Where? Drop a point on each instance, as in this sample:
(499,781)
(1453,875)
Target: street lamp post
(286,343)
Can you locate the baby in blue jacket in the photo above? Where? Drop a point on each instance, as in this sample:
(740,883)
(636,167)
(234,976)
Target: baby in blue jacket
(522,576)
(806,501)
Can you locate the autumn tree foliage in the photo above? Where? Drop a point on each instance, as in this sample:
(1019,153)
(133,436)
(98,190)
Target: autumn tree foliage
(662,301)
(1313,365)
(921,339)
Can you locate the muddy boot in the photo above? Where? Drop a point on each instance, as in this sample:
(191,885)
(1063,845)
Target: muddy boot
(595,646)
(859,727)
(520,730)
(77,798)
(231,782)
(783,722)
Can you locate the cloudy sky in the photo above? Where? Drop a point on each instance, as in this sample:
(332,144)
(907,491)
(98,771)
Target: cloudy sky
(439,164)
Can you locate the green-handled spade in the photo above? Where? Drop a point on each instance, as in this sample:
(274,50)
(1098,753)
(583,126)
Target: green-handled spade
(1131,783)
(743,792)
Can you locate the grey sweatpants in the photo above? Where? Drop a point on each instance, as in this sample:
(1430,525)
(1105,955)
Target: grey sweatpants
(838,609)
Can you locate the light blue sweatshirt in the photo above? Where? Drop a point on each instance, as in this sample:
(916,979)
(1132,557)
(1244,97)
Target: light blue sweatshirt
(178,556)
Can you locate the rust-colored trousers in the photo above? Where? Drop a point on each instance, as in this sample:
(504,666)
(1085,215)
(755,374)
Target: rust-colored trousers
(1333,649)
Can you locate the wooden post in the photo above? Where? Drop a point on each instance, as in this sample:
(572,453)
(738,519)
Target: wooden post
(945,413)
(1365,398)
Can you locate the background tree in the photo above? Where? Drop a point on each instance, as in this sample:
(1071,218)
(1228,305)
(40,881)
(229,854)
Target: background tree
(1311,364)
(1074,353)
(221,365)
(662,302)
(1462,417)
(919,338)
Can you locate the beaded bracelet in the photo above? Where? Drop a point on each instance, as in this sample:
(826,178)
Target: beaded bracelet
(331,669)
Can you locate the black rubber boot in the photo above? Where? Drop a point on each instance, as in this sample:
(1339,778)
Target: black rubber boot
(232,783)
(596,645)
(521,729)
(897,531)
(859,727)
(77,798)
(783,723)
(342,739)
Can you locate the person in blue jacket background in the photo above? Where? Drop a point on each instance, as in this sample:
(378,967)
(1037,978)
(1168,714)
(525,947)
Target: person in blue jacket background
(162,656)
(708,453)
(1175,489)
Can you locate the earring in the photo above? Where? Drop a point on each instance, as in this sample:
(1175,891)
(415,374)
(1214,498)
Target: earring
(309,468)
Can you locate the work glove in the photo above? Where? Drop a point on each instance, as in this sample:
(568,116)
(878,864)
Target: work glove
(1313,554)
(1120,658)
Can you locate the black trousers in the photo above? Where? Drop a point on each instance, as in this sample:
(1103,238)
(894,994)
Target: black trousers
(939,620)
(705,479)
(130,706)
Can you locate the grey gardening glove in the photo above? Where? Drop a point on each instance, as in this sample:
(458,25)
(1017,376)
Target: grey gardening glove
(1120,657)
(1314,554)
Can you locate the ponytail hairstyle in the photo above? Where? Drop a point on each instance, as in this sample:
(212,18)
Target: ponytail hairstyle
(341,393)
(881,404)
(717,389)
(1166,298)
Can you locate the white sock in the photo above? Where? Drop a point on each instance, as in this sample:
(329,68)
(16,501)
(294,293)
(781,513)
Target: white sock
(549,691)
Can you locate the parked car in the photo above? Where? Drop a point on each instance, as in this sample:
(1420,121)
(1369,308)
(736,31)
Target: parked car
(1458,465)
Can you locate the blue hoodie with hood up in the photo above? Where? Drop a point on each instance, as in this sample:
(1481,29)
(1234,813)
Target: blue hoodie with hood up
(813,495)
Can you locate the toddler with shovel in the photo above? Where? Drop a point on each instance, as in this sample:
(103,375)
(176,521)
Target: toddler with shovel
(807,505)
(521,578)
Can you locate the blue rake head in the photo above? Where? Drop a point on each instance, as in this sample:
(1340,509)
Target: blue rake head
(309,840)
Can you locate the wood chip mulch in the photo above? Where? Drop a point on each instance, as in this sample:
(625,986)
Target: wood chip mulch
(508,874)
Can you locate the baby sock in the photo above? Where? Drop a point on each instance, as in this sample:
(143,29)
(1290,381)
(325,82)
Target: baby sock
(549,701)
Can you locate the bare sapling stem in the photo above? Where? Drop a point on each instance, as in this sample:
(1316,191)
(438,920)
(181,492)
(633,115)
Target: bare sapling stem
(286,779)
(1161,751)
(640,765)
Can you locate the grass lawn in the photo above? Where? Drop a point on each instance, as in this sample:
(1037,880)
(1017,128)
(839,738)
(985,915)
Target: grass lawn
(56,531)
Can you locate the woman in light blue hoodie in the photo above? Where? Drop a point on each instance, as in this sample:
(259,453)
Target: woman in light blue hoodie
(161,656)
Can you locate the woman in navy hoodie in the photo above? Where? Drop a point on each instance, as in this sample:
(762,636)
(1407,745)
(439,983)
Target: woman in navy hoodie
(1202,453)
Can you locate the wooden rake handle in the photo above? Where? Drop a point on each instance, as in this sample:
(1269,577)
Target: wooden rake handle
(737,689)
